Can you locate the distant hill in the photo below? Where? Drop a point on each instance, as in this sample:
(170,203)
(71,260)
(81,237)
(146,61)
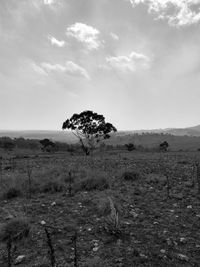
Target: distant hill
(189,131)
(178,138)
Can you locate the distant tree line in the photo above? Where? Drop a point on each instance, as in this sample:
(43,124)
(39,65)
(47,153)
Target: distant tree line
(8,144)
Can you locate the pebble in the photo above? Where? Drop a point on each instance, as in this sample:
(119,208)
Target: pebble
(183,240)
(19,259)
(182,257)
(95,249)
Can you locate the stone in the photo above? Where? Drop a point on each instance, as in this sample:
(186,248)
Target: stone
(19,259)
(182,257)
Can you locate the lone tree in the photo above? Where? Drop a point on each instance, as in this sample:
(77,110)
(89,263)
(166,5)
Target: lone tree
(47,145)
(130,146)
(90,128)
(164,146)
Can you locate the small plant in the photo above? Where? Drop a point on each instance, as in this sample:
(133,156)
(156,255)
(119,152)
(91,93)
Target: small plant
(29,169)
(15,230)
(74,242)
(9,253)
(114,214)
(12,192)
(52,187)
(51,251)
(131,176)
(90,184)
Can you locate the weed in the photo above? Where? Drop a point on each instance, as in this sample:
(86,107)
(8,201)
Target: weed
(131,176)
(51,248)
(53,187)
(90,184)
(15,230)
(12,192)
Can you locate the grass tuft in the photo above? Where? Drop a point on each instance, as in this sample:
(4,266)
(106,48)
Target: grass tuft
(90,184)
(16,229)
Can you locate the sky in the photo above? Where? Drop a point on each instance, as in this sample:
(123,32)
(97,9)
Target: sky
(137,62)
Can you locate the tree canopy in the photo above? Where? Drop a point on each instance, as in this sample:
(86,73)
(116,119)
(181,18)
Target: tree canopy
(90,128)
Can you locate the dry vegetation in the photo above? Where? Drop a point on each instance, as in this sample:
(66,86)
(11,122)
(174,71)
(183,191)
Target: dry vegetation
(128,209)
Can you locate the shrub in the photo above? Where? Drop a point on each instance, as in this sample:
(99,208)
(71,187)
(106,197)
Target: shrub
(90,184)
(104,206)
(53,187)
(12,192)
(131,175)
(15,230)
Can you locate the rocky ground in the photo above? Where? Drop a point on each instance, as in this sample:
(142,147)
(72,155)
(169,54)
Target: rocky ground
(147,215)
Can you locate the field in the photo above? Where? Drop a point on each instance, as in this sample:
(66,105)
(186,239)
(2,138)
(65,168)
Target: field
(112,209)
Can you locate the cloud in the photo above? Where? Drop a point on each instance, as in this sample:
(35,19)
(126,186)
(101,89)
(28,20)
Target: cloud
(129,63)
(69,67)
(176,12)
(50,2)
(85,34)
(38,69)
(114,36)
(56,42)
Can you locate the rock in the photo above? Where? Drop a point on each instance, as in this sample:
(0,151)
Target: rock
(53,203)
(95,249)
(183,240)
(189,207)
(19,259)
(182,257)
(143,256)
(134,214)
(42,222)
(163,251)
(9,217)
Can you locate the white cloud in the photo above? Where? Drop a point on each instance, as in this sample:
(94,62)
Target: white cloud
(114,36)
(56,42)
(85,34)
(38,69)
(130,63)
(177,12)
(49,2)
(69,67)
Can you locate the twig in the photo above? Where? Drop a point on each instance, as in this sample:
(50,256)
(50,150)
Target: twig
(9,247)
(74,240)
(51,248)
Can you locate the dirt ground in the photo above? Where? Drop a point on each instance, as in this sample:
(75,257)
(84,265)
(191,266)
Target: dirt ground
(156,205)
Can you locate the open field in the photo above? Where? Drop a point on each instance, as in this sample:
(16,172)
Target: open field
(128,209)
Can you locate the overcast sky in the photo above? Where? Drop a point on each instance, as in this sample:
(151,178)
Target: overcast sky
(137,62)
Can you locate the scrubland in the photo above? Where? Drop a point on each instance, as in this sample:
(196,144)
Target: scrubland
(109,209)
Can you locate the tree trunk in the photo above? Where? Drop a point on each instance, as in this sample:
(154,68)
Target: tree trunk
(85,149)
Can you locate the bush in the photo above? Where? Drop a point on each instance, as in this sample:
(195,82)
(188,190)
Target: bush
(53,187)
(90,184)
(12,192)
(15,230)
(104,208)
(131,176)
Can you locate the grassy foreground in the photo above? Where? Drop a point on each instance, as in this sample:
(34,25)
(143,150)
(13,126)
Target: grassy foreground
(120,209)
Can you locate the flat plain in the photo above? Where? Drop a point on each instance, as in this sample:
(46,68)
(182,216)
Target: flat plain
(110,209)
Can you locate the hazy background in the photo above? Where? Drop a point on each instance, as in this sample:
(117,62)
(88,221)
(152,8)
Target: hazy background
(136,62)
